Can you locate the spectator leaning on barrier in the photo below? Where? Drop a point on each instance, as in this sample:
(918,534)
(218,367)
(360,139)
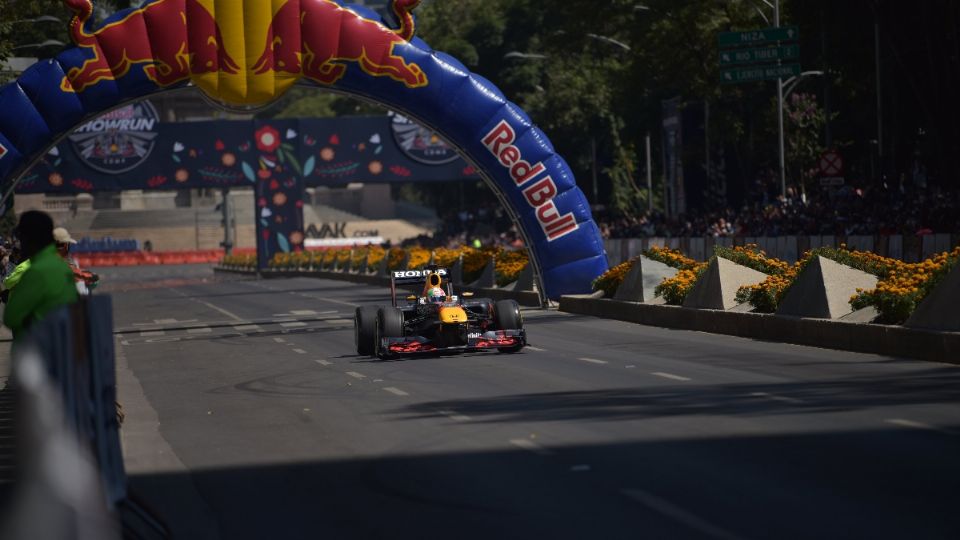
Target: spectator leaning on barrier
(47,284)
(86,281)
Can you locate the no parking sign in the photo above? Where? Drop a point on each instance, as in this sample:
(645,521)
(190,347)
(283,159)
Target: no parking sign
(831,168)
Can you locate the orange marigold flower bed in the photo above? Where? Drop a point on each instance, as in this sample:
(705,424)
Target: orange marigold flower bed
(376,254)
(609,281)
(670,257)
(419,257)
(509,264)
(904,285)
(397,255)
(674,290)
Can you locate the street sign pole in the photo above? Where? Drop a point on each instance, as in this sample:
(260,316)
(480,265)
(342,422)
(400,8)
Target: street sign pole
(783,168)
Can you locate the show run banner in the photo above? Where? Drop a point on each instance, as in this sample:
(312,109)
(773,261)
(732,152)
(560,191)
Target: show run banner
(130,149)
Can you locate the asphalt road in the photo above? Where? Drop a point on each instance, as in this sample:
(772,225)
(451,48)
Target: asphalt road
(257,420)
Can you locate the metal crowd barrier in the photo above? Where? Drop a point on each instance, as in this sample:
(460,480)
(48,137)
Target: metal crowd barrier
(64,371)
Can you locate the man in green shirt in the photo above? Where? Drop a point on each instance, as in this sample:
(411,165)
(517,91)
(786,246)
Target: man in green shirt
(47,284)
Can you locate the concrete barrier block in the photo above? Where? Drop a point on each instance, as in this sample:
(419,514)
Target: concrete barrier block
(823,290)
(643,278)
(525,281)
(717,287)
(488,278)
(940,310)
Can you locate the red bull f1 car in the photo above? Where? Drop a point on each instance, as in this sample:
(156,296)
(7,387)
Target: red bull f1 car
(436,321)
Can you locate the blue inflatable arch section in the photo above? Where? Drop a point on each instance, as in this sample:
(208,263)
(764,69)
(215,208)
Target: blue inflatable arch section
(515,158)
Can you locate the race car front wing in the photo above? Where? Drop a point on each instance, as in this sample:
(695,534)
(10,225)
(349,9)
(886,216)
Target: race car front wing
(494,339)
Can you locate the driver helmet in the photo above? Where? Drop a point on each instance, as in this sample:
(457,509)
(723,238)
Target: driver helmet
(436,295)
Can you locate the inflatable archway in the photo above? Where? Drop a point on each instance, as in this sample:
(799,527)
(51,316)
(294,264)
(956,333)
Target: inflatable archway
(251,52)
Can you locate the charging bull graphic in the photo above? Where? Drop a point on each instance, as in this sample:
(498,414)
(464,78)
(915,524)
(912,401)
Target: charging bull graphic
(174,41)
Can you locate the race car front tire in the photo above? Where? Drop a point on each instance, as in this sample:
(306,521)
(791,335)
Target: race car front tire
(508,317)
(365,330)
(389,324)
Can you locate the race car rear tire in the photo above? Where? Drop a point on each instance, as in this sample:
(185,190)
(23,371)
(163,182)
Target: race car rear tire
(365,330)
(389,324)
(508,317)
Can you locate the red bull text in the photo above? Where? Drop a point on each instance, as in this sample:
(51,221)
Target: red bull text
(538,193)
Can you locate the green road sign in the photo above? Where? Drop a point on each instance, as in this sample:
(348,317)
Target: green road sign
(758,73)
(733,57)
(758,37)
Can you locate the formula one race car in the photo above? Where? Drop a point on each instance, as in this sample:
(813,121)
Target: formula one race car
(436,320)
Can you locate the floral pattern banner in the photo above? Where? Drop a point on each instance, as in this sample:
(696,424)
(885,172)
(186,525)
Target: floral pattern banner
(278,178)
(217,154)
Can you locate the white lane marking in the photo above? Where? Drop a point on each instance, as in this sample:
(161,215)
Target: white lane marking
(165,321)
(592,360)
(152,333)
(531,446)
(903,422)
(774,397)
(330,300)
(293,324)
(248,328)
(162,340)
(279,340)
(220,309)
(630,366)
(356,375)
(670,376)
(303,312)
(453,415)
(395,391)
(203,330)
(535,349)
(678,514)
(324,362)
(339,321)
(299,351)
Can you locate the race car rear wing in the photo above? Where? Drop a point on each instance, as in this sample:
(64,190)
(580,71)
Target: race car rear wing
(416,279)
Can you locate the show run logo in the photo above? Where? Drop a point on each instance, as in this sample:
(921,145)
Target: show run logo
(538,194)
(419,143)
(118,141)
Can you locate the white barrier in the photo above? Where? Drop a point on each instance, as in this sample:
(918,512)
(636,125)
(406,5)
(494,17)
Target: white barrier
(788,248)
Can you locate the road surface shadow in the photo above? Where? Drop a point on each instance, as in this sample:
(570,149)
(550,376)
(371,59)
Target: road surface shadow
(877,484)
(931,386)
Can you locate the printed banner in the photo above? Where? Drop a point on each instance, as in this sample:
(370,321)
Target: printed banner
(130,149)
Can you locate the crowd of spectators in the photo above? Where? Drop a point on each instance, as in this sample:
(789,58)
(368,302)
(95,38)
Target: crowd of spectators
(479,225)
(842,212)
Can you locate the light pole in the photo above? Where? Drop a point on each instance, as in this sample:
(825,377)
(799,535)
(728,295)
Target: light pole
(791,84)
